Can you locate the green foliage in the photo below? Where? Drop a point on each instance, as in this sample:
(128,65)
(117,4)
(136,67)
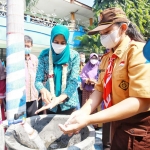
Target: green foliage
(90,44)
(27,2)
(138,11)
(30,4)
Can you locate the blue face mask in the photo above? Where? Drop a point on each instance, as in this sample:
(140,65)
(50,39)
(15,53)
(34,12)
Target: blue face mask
(27,50)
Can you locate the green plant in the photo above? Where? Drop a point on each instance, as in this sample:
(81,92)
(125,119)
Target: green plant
(90,44)
(30,4)
(138,11)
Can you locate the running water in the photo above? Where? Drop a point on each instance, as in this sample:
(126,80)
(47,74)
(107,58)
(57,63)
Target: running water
(34,136)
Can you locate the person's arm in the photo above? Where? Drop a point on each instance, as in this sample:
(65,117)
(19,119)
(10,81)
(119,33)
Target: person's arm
(45,94)
(84,78)
(39,75)
(94,100)
(62,98)
(92,81)
(125,109)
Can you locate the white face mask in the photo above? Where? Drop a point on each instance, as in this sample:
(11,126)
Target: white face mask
(58,48)
(93,61)
(110,40)
(82,60)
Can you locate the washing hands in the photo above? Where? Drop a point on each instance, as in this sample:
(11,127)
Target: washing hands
(75,123)
(46,96)
(54,102)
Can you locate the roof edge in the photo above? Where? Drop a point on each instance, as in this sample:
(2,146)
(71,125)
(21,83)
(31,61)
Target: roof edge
(79,3)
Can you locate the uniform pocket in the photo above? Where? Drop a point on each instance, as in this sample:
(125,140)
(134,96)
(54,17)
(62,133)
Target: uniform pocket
(137,138)
(137,132)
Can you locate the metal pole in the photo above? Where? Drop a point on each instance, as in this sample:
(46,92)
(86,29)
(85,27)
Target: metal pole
(15,58)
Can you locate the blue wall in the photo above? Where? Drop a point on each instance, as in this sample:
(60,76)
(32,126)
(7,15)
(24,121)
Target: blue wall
(39,33)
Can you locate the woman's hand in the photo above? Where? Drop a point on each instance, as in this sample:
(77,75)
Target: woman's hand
(54,102)
(46,96)
(92,81)
(75,124)
(87,81)
(73,115)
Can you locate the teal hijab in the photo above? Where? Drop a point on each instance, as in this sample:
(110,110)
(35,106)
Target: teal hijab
(59,59)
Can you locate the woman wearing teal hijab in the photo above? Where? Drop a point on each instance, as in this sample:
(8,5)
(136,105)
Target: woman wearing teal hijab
(60,66)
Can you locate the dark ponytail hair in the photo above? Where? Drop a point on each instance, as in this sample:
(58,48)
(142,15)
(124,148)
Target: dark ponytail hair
(132,32)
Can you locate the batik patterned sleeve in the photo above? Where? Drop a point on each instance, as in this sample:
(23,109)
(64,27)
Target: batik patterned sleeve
(72,79)
(40,74)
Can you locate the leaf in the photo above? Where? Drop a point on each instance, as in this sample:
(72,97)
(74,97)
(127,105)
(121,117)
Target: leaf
(138,11)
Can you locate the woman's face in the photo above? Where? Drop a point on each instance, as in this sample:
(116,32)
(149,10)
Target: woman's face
(94,60)
(112,36)
(59,39)
(94,57)
(109,29)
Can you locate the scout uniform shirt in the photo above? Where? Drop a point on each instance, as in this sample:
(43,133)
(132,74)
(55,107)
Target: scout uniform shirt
(131,72)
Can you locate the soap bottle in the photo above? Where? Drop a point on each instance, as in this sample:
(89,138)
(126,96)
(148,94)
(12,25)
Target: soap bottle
(34,136)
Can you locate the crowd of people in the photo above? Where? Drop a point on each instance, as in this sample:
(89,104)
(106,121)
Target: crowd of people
(60,82)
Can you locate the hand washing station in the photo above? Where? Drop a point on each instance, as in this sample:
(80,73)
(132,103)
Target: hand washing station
(47,127)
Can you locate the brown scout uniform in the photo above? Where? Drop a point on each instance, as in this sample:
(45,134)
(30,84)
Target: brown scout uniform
(130,78)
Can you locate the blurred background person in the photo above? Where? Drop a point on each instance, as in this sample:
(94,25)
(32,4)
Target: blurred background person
(89,77)
(82,64)
(3,63)
(82,61)
(2,90)
(100,57)
(31,63)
